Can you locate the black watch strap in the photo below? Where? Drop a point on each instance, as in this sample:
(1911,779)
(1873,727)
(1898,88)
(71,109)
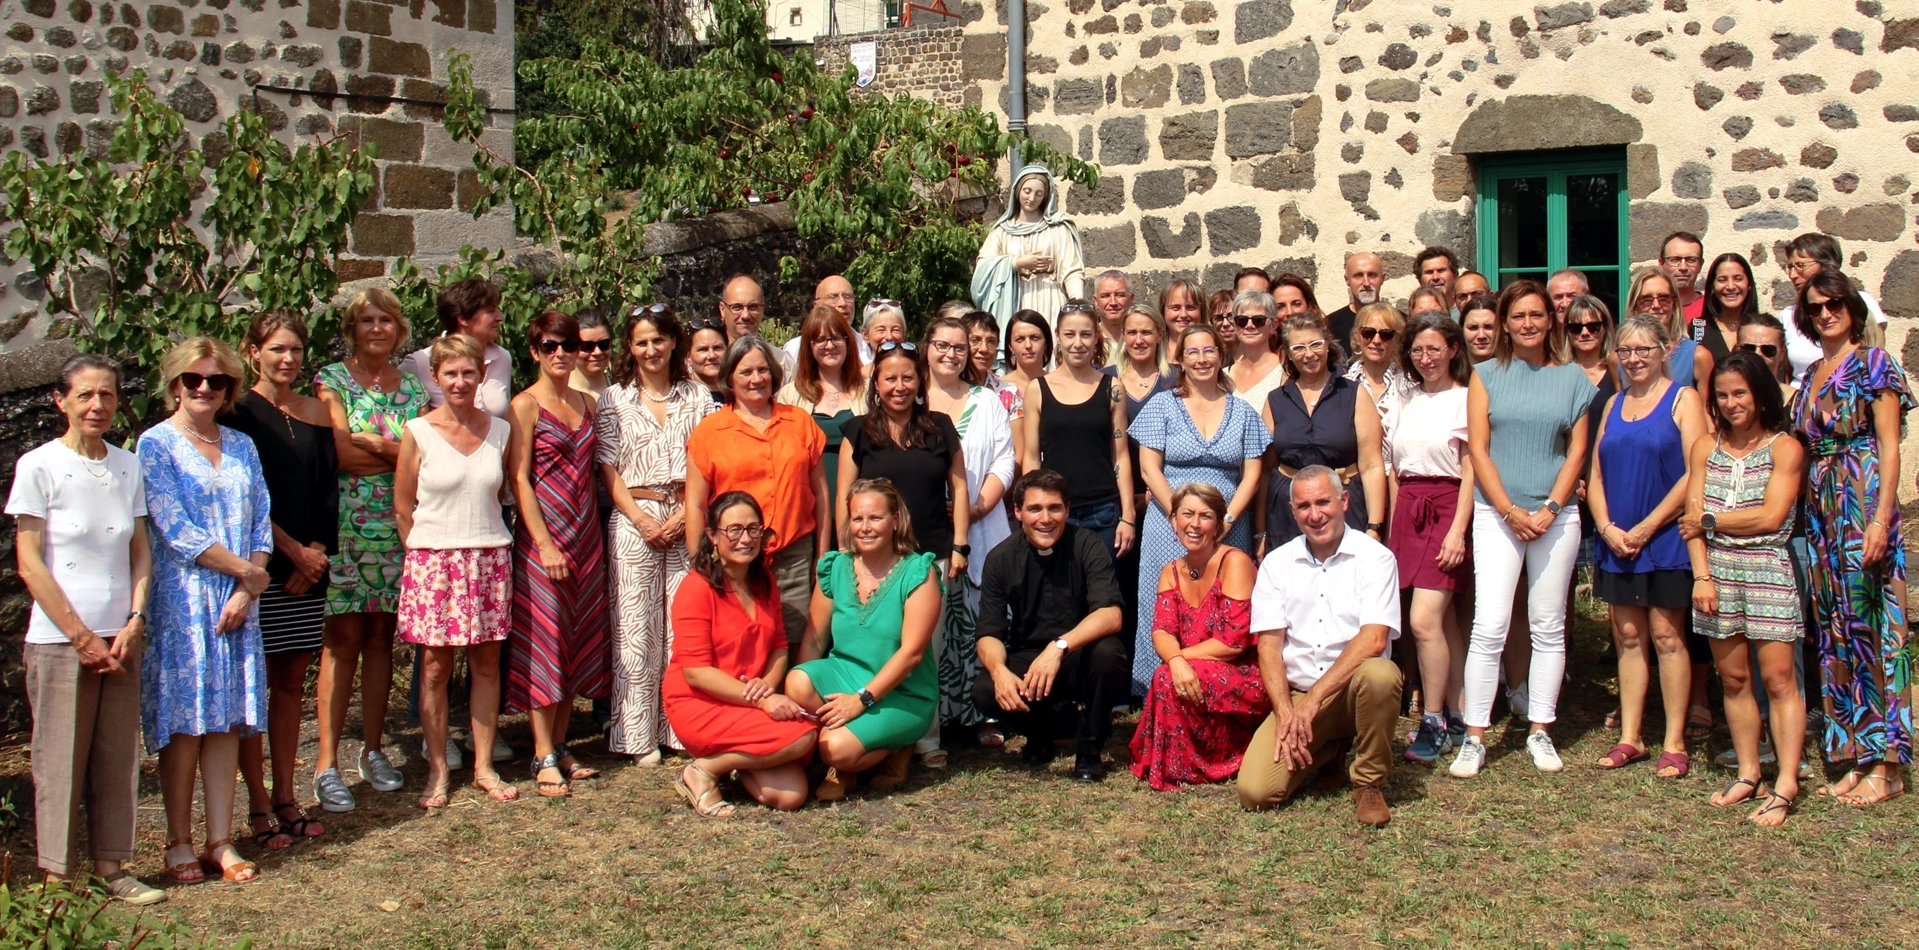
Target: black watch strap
(866,697)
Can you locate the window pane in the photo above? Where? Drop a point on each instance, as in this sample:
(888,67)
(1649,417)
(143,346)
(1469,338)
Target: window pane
(1605,286)
(1522,222)
(1592,220)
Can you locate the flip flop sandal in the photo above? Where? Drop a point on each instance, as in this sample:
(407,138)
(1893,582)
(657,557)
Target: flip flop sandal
(297,827)
(1699,724)
(1622,755)
(1782,803)
(578,771)
(498,791)
(435,797)
(1674,760)
(1755,784)
(265,839)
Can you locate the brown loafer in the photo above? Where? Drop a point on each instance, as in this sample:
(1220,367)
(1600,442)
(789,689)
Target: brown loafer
(1369,803)
(833,787)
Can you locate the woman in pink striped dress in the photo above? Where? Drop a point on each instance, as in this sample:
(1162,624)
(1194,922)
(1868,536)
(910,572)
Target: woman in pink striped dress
(559,647)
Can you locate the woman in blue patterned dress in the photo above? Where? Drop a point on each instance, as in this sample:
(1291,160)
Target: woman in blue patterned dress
(203,682)
(1853,401)
(1174,451)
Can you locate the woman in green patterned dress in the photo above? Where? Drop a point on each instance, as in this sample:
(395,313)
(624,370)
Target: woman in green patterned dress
(370,400)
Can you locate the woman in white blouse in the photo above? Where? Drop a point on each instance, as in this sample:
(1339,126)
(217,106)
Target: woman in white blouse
(1431,485)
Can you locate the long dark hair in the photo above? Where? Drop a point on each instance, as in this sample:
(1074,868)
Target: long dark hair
(1767,400)
(1713,307)
(920,431)
(706,560)
(1832,285)
(1461,367)
(626,369)
(1045,331)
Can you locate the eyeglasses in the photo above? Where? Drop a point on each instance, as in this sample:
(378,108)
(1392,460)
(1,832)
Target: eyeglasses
(1803,267)
(891,345)
(942,348)
(1768,350)
(647,308)
(737,309)
(882,302)
(1427,352)
(1382,334)
(1666,299)
(1635,352)
(1694,261)
(1198,351)
(734,532)
(1248,321)
(842,295)
(218,382)
(549,346)
(698,325)
(1594,327)
(1301,349)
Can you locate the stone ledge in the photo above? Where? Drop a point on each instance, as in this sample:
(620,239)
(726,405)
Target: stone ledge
(35,365)
(672,237)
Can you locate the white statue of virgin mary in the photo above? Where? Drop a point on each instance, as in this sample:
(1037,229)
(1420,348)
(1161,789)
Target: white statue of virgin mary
(1031,260)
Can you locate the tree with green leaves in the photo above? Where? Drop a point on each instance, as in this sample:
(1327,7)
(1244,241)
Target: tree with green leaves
(151,245)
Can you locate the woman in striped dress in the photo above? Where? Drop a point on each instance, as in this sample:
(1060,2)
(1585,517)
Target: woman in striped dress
(641,425)
(1744,484)
(558,647)
(294,436)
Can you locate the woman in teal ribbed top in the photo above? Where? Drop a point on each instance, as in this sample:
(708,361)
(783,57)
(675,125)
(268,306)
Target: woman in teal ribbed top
(867,670)
(1526,427)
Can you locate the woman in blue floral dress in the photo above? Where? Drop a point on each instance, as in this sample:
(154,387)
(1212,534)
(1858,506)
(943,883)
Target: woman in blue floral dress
(203,682)
(1850,404)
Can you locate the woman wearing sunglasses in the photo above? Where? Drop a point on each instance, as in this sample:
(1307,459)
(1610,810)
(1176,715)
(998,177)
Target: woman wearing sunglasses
(203,680)
(1651,292)
(1851,409)
(1637,490)
(1318,417)
(1257,369)
(558,649)
(1376,342)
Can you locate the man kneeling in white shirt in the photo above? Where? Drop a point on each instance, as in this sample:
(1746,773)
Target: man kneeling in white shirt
(1326,610)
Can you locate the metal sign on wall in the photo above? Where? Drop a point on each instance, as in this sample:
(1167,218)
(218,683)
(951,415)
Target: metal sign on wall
(865,57)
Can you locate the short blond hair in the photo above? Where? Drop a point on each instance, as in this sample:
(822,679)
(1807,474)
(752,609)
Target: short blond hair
(192,350)
(375,298)
(454,346)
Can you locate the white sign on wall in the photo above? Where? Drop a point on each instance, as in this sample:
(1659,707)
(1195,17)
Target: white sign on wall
(865,58)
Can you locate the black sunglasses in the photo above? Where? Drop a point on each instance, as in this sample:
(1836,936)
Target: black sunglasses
(549,346)
(1383,335)
(1594,327)
(698,325)
(1247,321)
(1768,350)
(218,382)
(1077,307)
(596,346)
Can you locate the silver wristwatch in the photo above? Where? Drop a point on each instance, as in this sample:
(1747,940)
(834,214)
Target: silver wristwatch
(1064,647)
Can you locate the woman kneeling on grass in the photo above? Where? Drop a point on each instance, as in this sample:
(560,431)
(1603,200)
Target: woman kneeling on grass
(729,651)
(1739,507)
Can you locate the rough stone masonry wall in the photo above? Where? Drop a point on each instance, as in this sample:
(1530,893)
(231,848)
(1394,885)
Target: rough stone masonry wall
(207,55)
(923,62)
(1287,134)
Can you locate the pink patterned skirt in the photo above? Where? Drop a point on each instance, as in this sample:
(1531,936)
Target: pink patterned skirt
(456,598)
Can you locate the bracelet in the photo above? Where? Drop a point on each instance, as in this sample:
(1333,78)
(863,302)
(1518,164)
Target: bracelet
(1877,524)
(1509,511)
(1260,536)
(1698,579)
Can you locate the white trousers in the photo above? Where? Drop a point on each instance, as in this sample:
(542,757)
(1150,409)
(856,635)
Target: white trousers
(1498,559)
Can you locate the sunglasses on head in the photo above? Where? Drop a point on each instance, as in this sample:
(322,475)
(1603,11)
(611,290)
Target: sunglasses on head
(891,345)
(698,325)
(1768,350)
(218,382)
(1593,327)
(882,302)
(549,346)
(1077,307)
(646,308)
(1383,335)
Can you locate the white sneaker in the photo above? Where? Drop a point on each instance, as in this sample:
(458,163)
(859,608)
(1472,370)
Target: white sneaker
(501,751)
(454,760)
(1516,701)
(1545,757)
(1472,755)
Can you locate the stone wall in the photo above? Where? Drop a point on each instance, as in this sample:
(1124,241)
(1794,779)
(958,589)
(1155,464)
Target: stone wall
(209,55)
(1288,133)
(924,62)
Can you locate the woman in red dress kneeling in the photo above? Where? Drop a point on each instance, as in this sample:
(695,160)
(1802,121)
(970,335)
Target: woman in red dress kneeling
(729,656)
(1206,700)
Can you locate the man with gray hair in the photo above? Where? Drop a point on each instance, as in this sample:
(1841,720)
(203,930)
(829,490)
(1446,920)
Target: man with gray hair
(1365,273)
(1325,611)
(1564,287)
(1113,296)
(1806,257)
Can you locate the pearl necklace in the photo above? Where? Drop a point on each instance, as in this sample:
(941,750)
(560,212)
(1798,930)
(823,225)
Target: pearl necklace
(183,427)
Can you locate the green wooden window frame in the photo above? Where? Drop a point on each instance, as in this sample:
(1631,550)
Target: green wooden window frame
(1555,167)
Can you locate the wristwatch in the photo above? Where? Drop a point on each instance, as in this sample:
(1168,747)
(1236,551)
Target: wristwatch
(1376,527)
(866,697)
(963,550)
(1552,506)
(1064,647)
(1707,522)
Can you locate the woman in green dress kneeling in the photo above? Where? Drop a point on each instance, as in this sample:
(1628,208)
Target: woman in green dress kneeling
(866,670)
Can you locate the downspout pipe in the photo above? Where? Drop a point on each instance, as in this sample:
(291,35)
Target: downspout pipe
(1015,80)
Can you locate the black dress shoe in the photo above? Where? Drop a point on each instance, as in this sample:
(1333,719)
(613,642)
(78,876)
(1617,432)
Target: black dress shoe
(1088,768)
(1039,753)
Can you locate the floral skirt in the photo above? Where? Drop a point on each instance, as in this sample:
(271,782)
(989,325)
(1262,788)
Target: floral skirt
(456,598)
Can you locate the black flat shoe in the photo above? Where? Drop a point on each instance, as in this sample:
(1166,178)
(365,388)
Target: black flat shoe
(1088,768)
(1039,753)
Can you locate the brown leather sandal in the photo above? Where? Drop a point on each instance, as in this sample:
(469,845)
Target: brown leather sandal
(239,872)
(179,873)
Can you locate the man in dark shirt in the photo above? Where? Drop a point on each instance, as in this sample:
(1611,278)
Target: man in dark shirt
(1049,609)
(1365,272)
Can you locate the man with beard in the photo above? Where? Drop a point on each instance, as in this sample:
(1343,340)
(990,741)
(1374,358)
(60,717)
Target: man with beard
(1365,272)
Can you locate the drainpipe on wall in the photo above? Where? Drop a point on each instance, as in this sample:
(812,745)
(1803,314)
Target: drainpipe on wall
(1015,80)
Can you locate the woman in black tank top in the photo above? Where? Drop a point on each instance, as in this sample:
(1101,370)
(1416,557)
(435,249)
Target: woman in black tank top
(1085,441)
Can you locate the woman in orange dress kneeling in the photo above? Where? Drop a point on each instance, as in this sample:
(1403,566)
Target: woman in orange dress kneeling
(1206,698)
(729,656)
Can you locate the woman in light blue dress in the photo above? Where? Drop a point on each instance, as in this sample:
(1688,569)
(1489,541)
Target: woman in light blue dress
(1176,450)
(203,682)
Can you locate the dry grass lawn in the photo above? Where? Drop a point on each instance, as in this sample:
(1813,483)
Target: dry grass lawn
(988,854)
